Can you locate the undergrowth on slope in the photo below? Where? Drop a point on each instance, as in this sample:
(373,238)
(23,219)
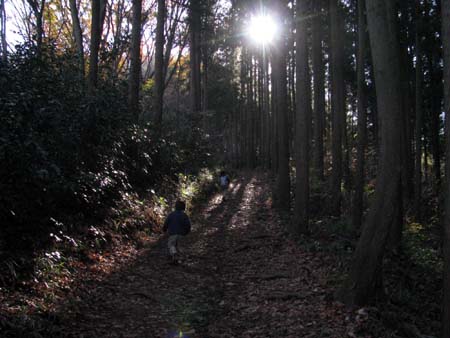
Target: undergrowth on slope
(72,259)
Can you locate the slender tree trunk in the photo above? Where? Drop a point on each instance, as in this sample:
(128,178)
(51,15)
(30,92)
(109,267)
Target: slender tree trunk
(4,45)
(250,113)
(364,279)
(319,90)
(337,103)
(243,108)
(96,31)
(426,167)
(40,25)
(302,121)
(347,149)
(159,63)
(407,71)
(373,116)
(267,112)
(280,71)
(205,55)
(261,113)
(38,11)
(358,195)
(135,63)
(77,34)
(274,123)
(446,226)
(195,54)
(436,100)
(419,116)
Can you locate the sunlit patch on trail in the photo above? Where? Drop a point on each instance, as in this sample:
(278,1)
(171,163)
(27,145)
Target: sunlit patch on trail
(214,202)
(211,230)
(239,219)
(235,189)
(177,334)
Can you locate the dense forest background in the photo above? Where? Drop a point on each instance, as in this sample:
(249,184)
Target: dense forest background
(111,109)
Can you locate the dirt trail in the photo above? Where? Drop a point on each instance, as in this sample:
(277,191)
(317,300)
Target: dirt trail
(241,276)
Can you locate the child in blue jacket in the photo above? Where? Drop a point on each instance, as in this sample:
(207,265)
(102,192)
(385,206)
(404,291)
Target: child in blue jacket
(178,225)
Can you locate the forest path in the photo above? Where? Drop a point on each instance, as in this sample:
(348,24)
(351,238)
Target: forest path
(241,276)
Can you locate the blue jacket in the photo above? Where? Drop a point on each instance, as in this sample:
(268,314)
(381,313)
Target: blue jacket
(177,223)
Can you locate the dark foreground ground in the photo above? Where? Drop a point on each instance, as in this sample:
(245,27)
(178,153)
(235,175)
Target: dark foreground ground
(241,275)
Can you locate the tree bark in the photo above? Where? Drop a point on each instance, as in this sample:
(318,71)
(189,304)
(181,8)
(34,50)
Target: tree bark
(302,121)
(407,75)
(274,124)
(406,71)
(250,107)
(364,281)
(135,62)
(96,32)
(436,99)
(159,63)
(4,45)
(419,116)
(337,103)
(282,197)
(319,90)
(38,10)
(358,195)
(195,54)
(77,34)
(445,8)
(267,112)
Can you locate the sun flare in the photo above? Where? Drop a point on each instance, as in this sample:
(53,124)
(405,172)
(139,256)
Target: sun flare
(262,29)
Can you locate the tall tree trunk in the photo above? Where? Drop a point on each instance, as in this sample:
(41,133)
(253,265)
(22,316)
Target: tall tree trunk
(159,63)
(358,195)
(96,32)
(436,109)
(319,90)
(77,34)
(282,197)
(419,115)
(337,103)
(135,62)
(38,11)
(206,53)
(261,114)
(243,108)
(347,148)
(445,8)
(364,278)
(195,54)
(302,121)
(250,111)
(407,71)
(4,45)
(274,123)
(40,25)
(267,111)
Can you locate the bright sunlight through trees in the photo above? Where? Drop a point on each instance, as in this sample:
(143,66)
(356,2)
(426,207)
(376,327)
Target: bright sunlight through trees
(262,29)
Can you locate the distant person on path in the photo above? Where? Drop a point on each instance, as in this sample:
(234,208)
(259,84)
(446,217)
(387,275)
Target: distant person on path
(178,225)
(224,180)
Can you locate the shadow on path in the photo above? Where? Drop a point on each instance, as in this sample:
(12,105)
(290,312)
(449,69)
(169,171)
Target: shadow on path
(151,298)
(241,276)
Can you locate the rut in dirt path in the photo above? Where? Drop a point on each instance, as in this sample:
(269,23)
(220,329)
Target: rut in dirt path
(241,276)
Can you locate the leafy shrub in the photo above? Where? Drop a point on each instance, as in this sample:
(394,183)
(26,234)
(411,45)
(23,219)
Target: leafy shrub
(68,156)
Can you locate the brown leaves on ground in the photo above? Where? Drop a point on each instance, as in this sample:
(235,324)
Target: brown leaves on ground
(241,275)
